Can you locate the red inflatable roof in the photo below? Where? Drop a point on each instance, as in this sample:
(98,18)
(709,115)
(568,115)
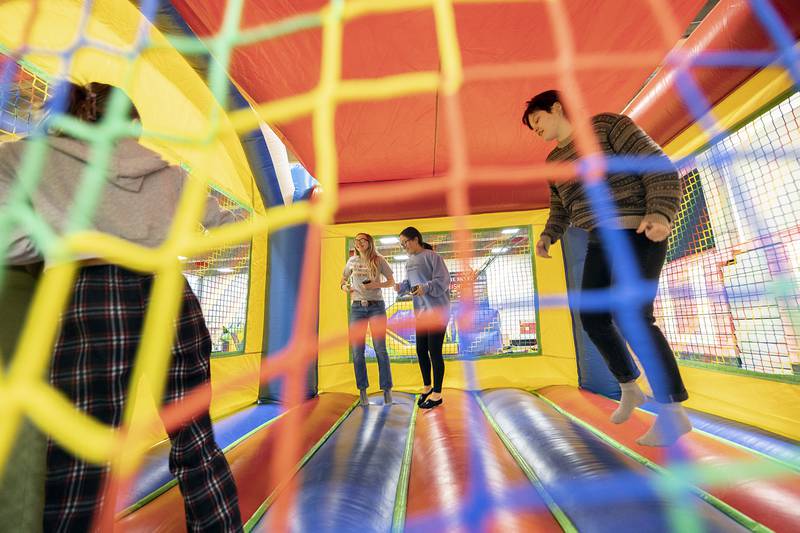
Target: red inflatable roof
(730,27)
(405,138)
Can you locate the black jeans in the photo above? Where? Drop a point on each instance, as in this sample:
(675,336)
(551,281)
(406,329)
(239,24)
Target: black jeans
(651,346)
(429,354)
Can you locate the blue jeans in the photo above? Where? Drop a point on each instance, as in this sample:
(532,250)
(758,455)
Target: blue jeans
(374,315)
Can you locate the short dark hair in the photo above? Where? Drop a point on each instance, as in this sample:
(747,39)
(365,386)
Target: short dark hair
(541,102)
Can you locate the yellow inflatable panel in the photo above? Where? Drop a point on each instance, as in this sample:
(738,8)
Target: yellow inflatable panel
(737,107)
(176,106)
(256,304)
(224,401)
(764,403)
(229,399)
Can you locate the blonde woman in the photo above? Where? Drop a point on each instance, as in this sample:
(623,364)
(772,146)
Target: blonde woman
(361,279)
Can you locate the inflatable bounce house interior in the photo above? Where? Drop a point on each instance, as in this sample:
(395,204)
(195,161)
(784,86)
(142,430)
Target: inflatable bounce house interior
(312,121)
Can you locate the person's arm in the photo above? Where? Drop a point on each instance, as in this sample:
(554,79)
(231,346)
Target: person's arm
(213,214)
(346,273)
(216,215)
(20,250)
(439,283)
(557,223)
(389,283)
(558,219)
(663,186)
(386,270)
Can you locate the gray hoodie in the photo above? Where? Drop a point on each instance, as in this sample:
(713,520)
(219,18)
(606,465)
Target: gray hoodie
(137,203)
(427,268)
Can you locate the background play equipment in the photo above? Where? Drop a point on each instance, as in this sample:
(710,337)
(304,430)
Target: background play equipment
(390,131)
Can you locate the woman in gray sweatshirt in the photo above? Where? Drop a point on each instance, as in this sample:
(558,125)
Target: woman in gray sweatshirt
(429,284)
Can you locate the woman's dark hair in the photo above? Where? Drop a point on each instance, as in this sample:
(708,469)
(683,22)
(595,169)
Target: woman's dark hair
(89,102)
(542,102)
(411,233)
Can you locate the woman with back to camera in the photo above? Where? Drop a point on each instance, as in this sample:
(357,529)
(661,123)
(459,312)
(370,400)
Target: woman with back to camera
(361,279)
(101,327)
(429,284)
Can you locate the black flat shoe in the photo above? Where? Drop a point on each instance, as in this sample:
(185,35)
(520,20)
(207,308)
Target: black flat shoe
(430,404)
(423,397)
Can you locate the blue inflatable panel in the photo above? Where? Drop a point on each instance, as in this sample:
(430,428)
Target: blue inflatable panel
(350,483)
(285,270)
(759,440)
(303,182)
(154,472)
(593,372)
(597,486)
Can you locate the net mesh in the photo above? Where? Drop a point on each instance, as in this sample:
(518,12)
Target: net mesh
(22,94)
(729,294)
(221,281)
(735,242)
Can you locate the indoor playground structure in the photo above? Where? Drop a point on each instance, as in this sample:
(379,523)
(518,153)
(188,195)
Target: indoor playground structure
(314,120)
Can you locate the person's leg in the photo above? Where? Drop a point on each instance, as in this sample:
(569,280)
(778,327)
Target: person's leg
(209,493)
(651,345)
(92,362)
(600,328)
(423,357)
(435,344)
(377,327)
(22,483)
(654,351)
(424,363)
(358,334)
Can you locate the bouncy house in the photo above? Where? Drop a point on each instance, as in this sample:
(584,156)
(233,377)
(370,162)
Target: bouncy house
(311,122)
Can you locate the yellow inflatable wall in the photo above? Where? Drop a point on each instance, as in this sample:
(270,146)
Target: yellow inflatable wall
(556,364)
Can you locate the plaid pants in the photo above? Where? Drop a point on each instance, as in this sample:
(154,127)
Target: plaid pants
(92,364)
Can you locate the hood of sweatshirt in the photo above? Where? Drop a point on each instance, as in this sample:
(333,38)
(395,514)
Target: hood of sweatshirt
(130,162)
